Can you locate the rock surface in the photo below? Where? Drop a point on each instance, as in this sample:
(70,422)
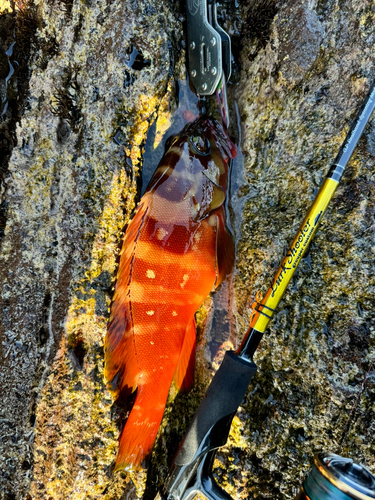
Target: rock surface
(297,98)
(101,74)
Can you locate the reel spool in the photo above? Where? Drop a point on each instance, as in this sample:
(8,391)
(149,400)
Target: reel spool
(336,478)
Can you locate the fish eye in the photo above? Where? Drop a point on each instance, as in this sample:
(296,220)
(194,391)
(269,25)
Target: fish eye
(201,145)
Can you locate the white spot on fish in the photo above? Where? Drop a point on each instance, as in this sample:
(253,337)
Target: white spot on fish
(184,280)
(142,380)
(212,221)
(193,190)
(152,343)
(197,237)
(212,172)
(174,313)
(150,313)
(194,211)
(150,273)
(161,233)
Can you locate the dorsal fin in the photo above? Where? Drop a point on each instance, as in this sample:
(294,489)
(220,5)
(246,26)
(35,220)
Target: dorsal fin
(121,369)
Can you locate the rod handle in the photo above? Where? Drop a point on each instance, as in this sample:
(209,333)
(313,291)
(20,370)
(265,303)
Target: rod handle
(210,426)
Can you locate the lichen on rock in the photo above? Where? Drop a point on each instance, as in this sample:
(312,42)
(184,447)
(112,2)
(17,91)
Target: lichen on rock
(297,98)
(71,187)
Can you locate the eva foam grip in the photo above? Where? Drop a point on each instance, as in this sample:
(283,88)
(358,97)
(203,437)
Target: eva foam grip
(210,426)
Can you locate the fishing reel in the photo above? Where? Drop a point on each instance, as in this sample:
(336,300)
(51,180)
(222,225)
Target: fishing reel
(336,478)
(331,478)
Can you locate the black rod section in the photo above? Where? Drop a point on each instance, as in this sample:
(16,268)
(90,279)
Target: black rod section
(353,136)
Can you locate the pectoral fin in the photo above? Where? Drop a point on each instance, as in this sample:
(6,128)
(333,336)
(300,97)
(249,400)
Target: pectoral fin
(218,198)
(211,201)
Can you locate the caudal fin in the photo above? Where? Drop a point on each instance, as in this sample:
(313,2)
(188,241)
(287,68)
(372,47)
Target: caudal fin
(139,434)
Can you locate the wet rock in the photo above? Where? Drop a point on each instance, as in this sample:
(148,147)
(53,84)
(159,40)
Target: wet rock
(69,192)
(298,97)
(299,34)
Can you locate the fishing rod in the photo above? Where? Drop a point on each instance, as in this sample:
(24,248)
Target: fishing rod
(191,470)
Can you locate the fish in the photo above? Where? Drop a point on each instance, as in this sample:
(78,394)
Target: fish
(176,249)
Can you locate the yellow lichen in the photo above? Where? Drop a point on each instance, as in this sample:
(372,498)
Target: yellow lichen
(5,6)
(163,121)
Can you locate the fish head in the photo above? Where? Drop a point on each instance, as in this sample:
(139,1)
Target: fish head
(194,168)
(210,151)
(208,146)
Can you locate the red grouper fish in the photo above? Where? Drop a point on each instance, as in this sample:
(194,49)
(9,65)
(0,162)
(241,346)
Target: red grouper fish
(175,250)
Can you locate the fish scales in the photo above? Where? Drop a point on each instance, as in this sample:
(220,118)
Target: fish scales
(175,250)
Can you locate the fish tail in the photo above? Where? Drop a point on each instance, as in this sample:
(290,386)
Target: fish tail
(138,436)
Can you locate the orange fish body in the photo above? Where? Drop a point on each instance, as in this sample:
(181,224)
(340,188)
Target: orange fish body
(175,250)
